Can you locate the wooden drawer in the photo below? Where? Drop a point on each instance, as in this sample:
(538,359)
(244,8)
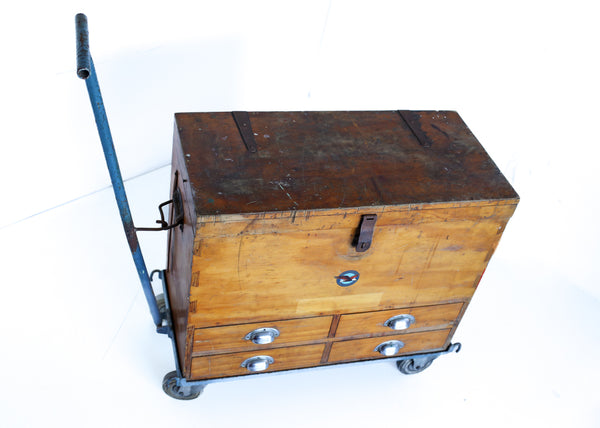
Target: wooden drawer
(232,338)
(372,323)
(226,365)
(363,349)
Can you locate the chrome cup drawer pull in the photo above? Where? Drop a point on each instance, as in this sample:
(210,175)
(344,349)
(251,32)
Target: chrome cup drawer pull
(389,348)
(258,364)
(262,336)
(400,322)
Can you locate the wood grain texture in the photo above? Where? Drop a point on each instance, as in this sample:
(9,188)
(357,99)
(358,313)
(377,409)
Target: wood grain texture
(231,338)
(266,234)
(288,271)
(226,365)
(326,160)
(372,323)
(334,325)
(179,260)
(364,349)
(228,225)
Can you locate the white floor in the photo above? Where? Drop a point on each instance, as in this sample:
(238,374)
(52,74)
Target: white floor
(79,348)
(82,350)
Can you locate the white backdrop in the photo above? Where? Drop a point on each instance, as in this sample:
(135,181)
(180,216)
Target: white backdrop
(522,74)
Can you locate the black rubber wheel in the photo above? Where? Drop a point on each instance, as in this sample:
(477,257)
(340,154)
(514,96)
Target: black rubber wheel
(412,366)
(172,390)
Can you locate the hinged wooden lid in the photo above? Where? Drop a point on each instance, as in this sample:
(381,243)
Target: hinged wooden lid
(327,160)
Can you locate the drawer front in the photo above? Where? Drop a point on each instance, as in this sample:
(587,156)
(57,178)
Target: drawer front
(233,338)
(408,319)
(364,349)
(214,366)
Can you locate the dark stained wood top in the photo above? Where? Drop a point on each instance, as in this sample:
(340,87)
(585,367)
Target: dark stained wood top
(317,160)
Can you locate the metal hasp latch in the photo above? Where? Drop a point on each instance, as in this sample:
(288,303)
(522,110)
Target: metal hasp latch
(365,234)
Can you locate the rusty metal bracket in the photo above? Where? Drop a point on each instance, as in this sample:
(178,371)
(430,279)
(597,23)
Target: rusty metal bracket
(177,215)
(365,234)
(242,120)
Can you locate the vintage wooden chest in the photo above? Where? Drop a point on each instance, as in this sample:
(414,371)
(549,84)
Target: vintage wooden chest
(316,238)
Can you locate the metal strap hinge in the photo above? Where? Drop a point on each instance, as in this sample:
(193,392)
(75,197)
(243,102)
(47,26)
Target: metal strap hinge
(242,120)
(413,121)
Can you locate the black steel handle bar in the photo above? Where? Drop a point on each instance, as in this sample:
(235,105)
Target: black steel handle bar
(83,46)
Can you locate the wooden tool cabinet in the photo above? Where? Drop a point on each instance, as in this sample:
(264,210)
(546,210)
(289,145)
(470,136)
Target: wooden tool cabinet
(316,238)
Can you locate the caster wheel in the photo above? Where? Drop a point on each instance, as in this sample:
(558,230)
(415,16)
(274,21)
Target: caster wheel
(178,392)
(414,365)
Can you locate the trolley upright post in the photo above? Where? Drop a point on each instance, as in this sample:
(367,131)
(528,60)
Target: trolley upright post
(86,71)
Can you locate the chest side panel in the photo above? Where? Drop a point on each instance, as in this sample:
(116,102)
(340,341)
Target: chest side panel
(264,269)
(179,261)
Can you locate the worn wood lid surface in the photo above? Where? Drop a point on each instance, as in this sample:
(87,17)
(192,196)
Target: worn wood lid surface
(327,160)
